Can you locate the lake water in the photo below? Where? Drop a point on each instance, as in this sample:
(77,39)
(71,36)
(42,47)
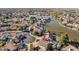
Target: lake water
(54,26)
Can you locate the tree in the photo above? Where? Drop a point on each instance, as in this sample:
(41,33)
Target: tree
(21,28)
(31,30)
(2,43)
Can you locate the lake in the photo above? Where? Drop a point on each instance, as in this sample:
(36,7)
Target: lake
(54,26)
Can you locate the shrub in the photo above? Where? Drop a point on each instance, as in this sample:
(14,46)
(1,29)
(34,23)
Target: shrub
(2,43)
(21,28)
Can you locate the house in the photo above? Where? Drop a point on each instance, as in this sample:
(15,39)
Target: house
(64,22)
(26,28)
(46,36)
(70,48)
(13,27)
(37,28)
(39,31)
(49,36)
(1,36)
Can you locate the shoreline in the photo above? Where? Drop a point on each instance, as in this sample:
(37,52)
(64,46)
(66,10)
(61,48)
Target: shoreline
(73,35)
(68,27)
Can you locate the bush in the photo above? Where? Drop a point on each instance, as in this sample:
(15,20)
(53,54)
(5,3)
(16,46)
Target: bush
(36,33)
(2,43)
(31,30)
(21,28)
